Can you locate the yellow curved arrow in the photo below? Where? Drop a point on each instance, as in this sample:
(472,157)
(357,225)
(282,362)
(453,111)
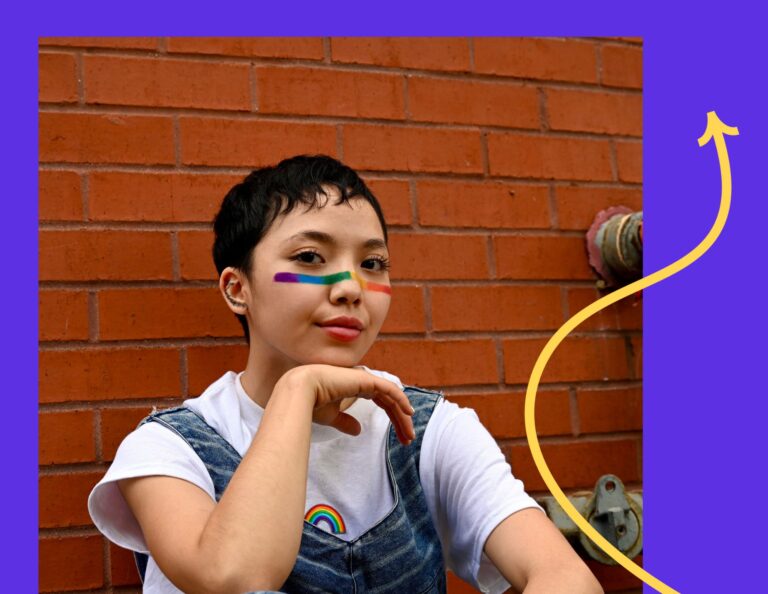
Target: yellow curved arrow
(717,130)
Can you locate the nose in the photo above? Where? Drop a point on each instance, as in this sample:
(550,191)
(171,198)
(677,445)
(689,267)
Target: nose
(346,291)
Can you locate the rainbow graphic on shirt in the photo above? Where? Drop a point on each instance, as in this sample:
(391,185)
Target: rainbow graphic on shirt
(325,513)
(330,279)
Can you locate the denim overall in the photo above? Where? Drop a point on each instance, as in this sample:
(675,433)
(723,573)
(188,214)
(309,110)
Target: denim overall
(400,554)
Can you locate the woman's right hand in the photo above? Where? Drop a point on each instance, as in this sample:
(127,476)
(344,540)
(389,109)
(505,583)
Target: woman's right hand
(330,385)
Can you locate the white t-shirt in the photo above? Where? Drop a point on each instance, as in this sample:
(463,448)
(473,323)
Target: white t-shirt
(468,485)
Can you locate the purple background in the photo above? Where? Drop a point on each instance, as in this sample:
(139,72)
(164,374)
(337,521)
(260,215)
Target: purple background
(704,394)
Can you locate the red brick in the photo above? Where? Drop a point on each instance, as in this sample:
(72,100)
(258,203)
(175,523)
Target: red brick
(547,258)
(549,59)
(63,315)
(496,308)
(456,585)
(626,314)
(395,199)
(59,196)
(629,157)
(588,111)
(622,66)
(636,343)
(577,463)
(489,204)
(105,138)
(122,567)
(106,374)
(578,206)
(412,149)
(428,53)
(436,363)
(436,256)
(105,255)
(406,313)
(473,102)
(544,157)
(165,197)
(575,359)
(617,409)
(70,563)
(57,78)
(66,437)
(206,364)
(195,257)
(63,499)
(116,423)
(310,48)
(147,43)
(251,143)
(162,82)
(135,314)
(503,413)
(312,91)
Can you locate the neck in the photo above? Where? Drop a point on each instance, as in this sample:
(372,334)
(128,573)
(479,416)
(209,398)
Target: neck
(262,372)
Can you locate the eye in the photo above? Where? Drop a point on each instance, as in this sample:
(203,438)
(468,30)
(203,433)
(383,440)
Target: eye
(376,264)
(308,257)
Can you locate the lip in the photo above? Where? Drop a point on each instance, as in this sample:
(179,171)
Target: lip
(342,328)
(343,322)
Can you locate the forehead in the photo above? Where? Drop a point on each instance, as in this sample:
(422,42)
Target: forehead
(354,220)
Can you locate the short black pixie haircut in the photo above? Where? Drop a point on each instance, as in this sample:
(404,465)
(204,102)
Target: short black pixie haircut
(251,207)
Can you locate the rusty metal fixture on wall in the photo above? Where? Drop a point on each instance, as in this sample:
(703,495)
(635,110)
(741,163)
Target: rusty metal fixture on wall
(614,512)
(615,246)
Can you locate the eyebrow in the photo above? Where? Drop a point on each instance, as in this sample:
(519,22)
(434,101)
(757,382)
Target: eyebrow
(322,237)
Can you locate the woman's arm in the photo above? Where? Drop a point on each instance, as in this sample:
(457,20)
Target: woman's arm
(250,539)
(534,557)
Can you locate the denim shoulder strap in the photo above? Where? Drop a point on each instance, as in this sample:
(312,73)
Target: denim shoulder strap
(219,457)
(423,402)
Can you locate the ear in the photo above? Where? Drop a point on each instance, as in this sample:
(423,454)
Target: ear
(234,288)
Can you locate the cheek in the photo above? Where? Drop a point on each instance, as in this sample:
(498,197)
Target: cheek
(296,299)
(284,301)
(379,308)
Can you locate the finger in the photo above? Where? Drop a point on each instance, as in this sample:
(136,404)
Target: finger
(402,422)
(390,390)
(346,424)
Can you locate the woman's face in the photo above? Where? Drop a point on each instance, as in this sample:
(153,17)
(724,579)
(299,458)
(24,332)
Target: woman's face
(295,323)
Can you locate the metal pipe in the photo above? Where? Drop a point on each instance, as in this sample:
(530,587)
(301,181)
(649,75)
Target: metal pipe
(615,246)
(615,513)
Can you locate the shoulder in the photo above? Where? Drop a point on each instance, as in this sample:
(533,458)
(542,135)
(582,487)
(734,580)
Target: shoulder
(150,450)
(219,406)
(216,399)
(423,401)
(417,395)
(153,449)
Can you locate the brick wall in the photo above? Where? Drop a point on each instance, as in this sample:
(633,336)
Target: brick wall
(491,158)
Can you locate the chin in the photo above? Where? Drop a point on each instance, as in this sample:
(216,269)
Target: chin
(338,359)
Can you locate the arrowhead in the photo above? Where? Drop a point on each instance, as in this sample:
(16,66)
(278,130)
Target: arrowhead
(715,127)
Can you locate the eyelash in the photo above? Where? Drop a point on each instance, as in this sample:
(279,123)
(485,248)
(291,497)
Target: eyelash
(383,261)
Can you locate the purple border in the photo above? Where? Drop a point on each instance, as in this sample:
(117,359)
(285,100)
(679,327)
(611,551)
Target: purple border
(704,405)
(704,415)
(18,554)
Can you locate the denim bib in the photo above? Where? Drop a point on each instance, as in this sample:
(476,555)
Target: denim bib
(401,553)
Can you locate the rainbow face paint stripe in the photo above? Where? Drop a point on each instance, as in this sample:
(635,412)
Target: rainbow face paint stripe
(330,279)
(325,513)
